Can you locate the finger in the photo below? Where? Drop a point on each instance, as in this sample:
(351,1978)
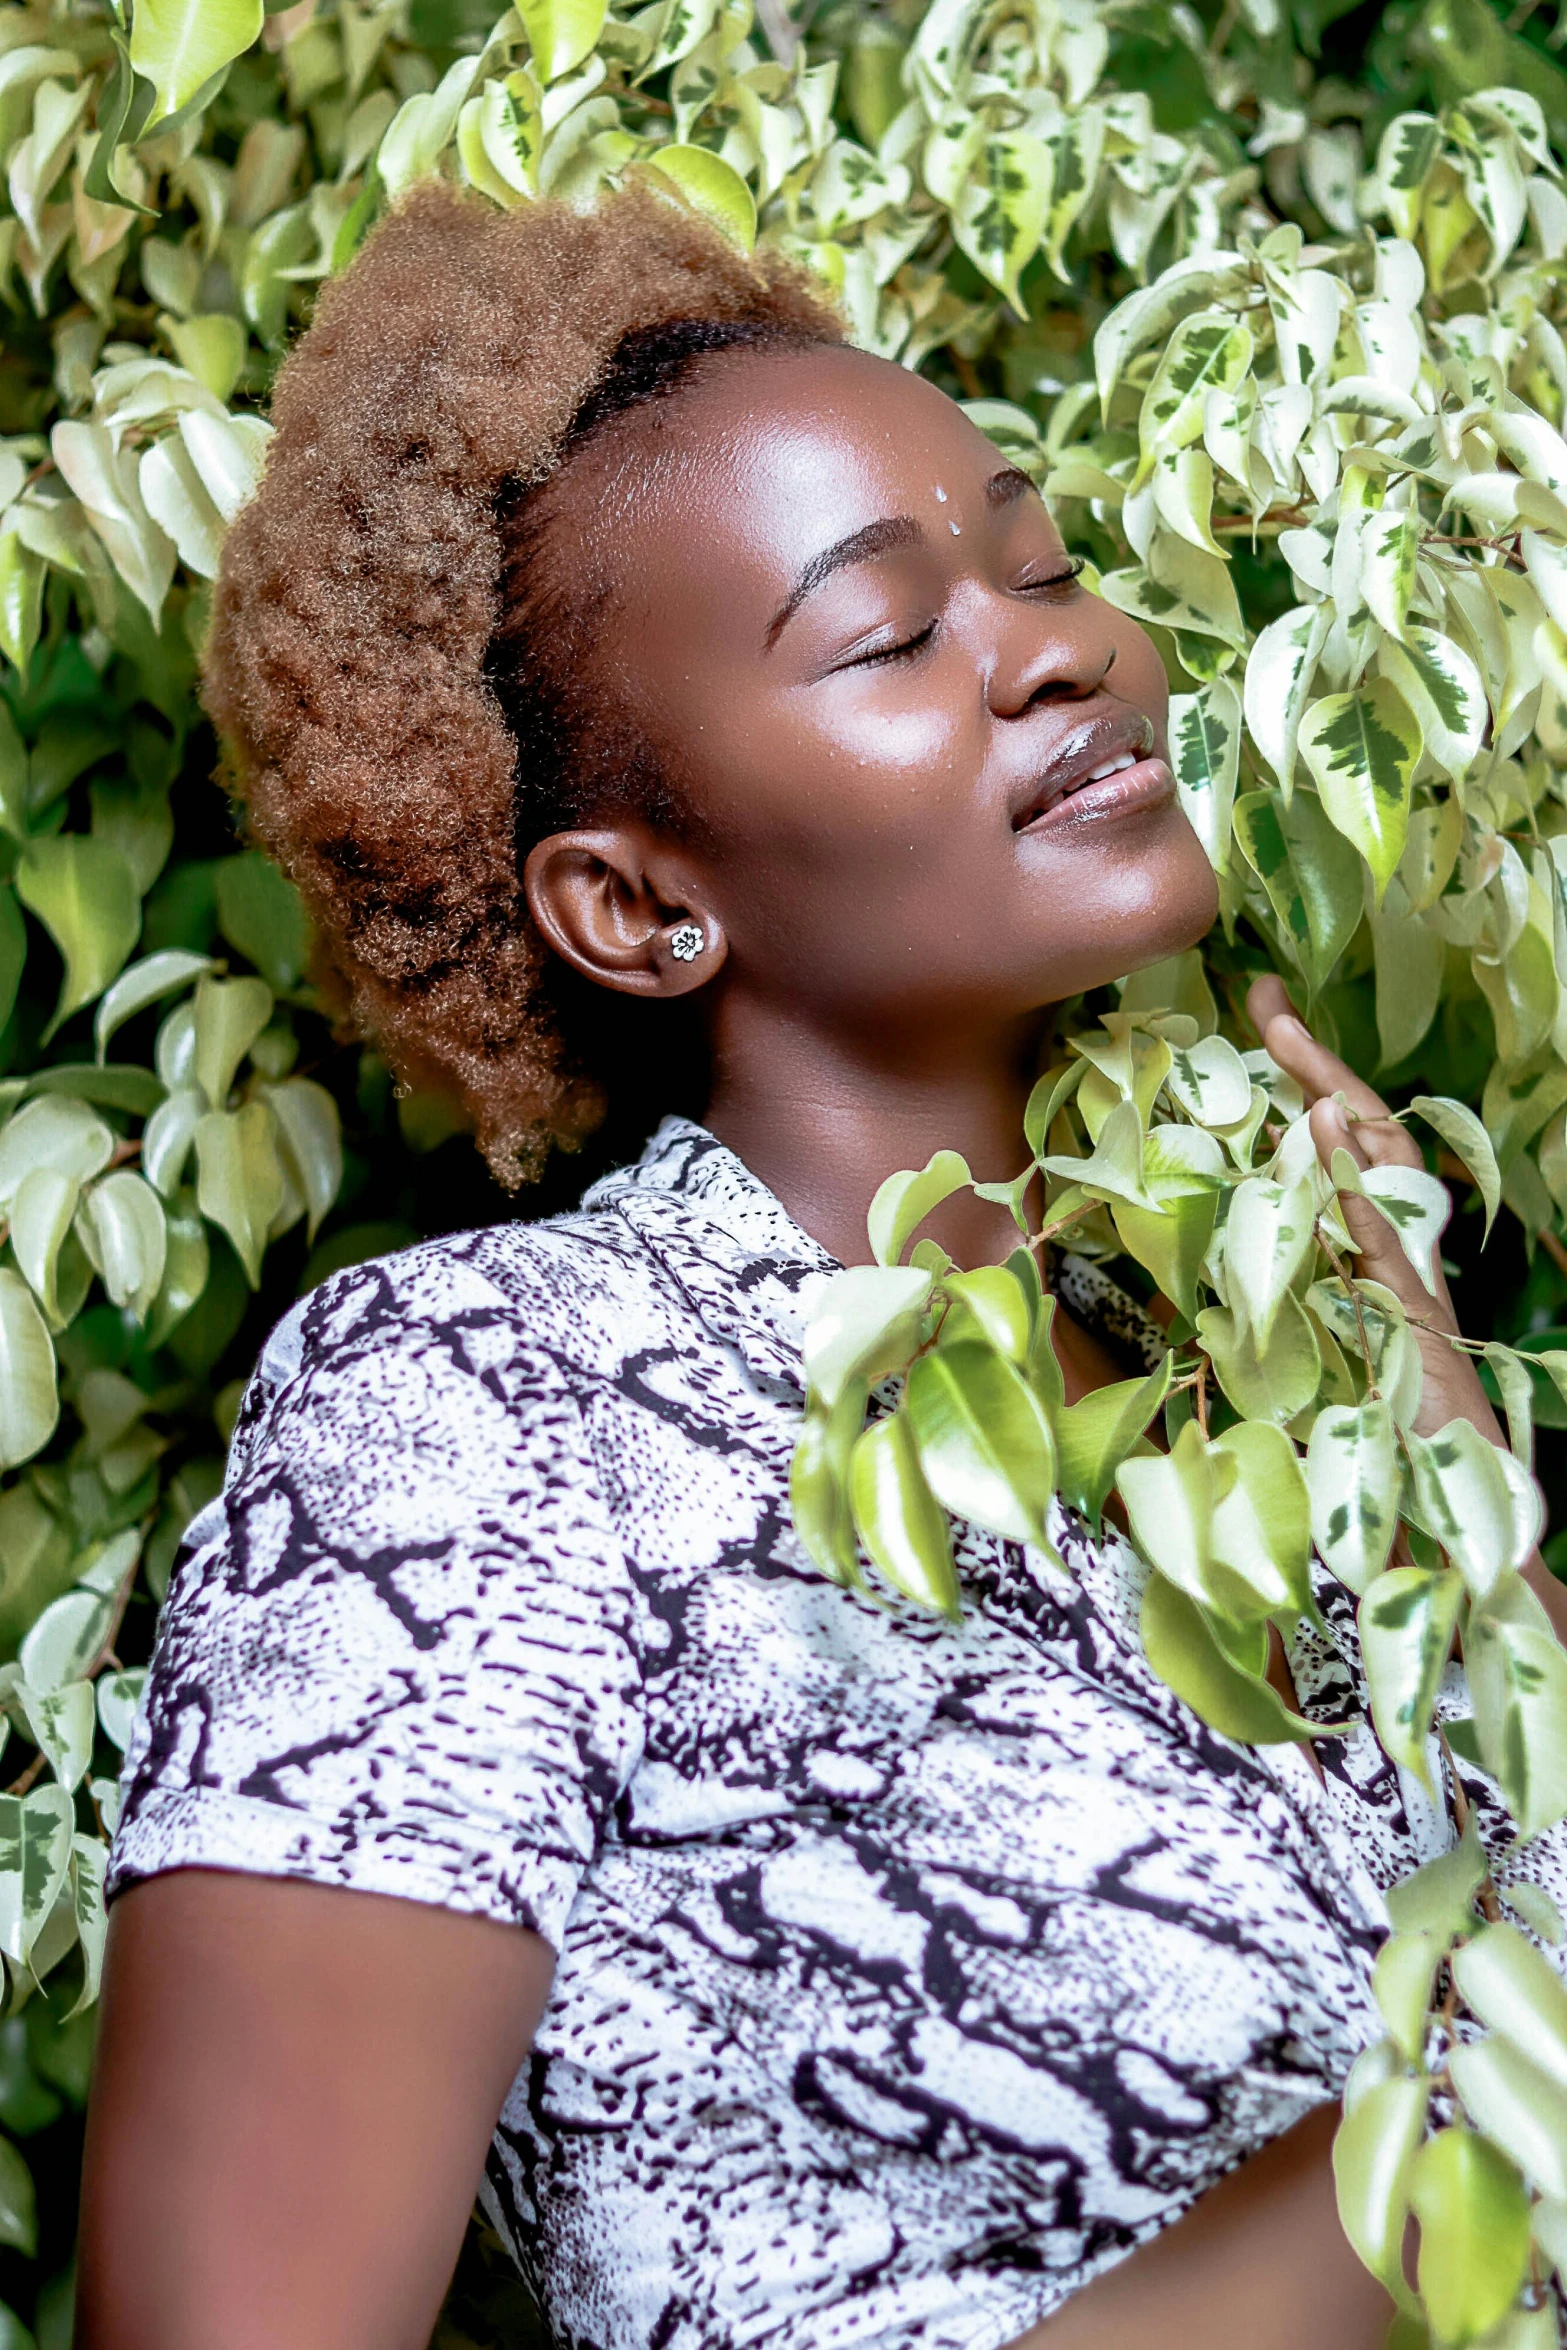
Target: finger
(1315,1070)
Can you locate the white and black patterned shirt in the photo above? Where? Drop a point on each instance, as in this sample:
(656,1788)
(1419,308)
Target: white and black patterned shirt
(909,1975)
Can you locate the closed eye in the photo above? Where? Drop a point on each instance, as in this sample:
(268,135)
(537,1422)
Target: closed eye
(1063,578)
(875,655)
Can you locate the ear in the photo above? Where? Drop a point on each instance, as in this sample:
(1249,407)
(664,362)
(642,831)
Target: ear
(625,910)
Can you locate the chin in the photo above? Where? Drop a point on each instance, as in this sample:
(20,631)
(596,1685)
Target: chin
(1170,903)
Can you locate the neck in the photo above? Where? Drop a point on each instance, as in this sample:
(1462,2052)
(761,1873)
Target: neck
(824,1119)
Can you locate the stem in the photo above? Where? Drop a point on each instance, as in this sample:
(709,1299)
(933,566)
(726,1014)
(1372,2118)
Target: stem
(1490,1906)
(1200,1397)
(1062,1222)
(1337,1262)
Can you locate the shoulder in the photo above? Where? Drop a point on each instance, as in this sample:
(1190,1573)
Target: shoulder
(550,1302)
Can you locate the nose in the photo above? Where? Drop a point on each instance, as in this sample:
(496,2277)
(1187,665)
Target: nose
(1048,654)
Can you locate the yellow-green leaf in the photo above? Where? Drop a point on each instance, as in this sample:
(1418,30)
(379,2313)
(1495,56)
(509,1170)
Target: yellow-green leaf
(83,893)
(1363,749)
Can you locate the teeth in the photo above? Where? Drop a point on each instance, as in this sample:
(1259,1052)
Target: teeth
(1113,766)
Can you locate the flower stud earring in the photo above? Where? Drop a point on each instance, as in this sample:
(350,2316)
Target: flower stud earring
(686,942)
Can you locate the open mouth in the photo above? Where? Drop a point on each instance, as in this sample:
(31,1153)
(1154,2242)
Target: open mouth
(1109,770)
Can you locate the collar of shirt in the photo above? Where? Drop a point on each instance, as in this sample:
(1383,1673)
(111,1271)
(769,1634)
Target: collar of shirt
(734,1251)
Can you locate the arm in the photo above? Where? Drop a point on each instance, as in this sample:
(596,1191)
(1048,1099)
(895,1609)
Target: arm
(294,2091)
(1259,2260)
(1452,1384)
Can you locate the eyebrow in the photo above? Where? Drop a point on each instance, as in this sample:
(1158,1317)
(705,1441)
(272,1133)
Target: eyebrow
(877,538)
(880,538)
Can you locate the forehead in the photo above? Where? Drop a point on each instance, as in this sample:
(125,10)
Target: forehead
(763,458)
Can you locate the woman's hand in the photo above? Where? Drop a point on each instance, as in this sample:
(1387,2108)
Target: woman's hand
(1452,1389)
(1374,1139)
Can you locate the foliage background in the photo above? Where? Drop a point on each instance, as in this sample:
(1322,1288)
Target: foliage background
(984,181)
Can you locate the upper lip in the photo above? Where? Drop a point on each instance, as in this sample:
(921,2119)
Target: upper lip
(1085,743)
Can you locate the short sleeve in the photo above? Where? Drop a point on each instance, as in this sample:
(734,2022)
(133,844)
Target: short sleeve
(399,1652)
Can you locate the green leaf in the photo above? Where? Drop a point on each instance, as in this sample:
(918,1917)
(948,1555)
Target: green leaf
(1439,1897)
(64,1643)
(1273,1382)
(1523,2108)
(1211,1082)
(18,2203)
(1262,1523)
(711,187)
(310,1134)
(1169,1501)
(123,1231)
(41,1214)
(89,1866)
(1171,1241)
(1416,1204)
(1181,1646)
(179,45)
(59,1133)
(1464,1135)
(561,33)
(146,982)
(1210,351)
(13,950)
(1311,875)
(900,1521)
(1205,744)
(1504,1980)
(29,1401)
(1373,2163)
(82,892)
(239,1178)
(261,914)
(1270,1233)
(1445,691)
(904,1201)
(1474,2233)
(1001,1302)
(984,1440)
(22,576)
(1401,1981)
(1362,749)
(1407,1620)
(1518,1679)
(1000,213)
(1515,1385)
(865,1323)
(35,1854)
(1389,545)
(61,1723)
(230,1015)
(1352,1476)
(819,1482)
(1095,1434)
(1475,1500)
(1054,1090)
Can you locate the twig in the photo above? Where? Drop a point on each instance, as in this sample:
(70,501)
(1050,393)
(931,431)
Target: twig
(1200,1398)
(1555,1250)
(1490,1906)
(1337,1262)
(1084,1208)
(21,1784)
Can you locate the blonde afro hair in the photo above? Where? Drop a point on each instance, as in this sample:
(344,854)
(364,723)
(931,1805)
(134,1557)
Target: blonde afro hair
(364,591)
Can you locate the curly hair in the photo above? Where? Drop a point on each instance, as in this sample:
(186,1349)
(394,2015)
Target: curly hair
(402,692)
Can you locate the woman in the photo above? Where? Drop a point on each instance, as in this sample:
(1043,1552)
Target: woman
(659,701)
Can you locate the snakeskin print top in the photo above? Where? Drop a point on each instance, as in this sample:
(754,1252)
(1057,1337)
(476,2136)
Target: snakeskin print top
(909,1975)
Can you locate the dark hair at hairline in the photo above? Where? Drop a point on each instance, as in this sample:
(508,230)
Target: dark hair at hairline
(576,757)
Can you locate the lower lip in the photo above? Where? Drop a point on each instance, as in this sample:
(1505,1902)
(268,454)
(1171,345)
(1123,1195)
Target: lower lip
(1148,783)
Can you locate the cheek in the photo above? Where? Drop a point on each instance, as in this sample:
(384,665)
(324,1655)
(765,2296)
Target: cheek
(1138,674)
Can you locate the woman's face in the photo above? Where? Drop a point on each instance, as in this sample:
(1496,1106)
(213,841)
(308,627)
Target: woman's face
(929,770)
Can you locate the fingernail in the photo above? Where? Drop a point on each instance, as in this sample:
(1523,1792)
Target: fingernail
(1296,1027)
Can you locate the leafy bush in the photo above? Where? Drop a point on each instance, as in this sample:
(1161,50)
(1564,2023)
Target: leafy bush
(1269,298)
